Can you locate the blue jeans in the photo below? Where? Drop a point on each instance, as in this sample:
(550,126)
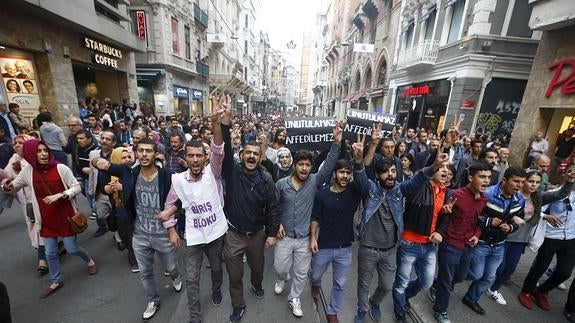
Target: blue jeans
(420,257)
(145,246)
(512,255)
(485,259)
(340,259)
(453,264)
(88,196)
(51,245)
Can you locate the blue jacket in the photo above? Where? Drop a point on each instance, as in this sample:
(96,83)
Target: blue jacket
(372,196)
(502,207)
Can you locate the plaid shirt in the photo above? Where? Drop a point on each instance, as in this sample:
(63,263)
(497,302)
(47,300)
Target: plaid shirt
(173,165)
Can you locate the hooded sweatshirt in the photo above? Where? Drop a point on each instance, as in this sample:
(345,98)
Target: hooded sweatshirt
(52,135)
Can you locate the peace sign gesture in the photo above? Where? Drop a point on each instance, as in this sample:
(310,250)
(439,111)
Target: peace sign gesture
(222,113)
(376,133)
(358,148)
(448,207)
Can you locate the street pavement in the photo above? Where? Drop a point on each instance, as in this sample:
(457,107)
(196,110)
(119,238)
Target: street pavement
(116,295)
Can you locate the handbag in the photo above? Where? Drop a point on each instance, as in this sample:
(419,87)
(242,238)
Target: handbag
(78,222)
(538,235)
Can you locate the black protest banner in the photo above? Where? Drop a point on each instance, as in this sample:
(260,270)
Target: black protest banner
(360,122)
(309,133)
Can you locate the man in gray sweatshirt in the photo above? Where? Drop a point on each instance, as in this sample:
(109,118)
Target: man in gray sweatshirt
(297,193)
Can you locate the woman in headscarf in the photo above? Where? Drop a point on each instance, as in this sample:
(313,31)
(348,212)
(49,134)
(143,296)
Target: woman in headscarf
(15,165)
(122,155)
(53,188)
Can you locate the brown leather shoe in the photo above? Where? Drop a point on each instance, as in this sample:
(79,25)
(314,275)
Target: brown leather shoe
(92,269)
(49,291)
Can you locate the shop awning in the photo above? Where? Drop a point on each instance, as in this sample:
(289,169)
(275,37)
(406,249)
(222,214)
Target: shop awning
(149,74)
(347,98)
(376,93)
(357,96)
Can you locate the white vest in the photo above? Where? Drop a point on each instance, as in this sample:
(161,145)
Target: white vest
(203,203)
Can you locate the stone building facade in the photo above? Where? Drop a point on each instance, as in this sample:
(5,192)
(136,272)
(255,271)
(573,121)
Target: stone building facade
(66,53)
(549,101)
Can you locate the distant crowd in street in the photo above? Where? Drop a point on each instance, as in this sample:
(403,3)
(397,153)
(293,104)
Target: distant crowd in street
(228,187)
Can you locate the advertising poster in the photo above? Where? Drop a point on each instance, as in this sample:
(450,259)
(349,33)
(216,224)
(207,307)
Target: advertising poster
(19,84)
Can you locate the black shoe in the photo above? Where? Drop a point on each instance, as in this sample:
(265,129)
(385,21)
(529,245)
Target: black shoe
(259,292)
(100,232)
(237,314)
(120,245)
(61,249)
(217,298)
(400,318)
(474,306)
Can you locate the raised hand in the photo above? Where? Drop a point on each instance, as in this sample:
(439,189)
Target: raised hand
(448,207)
(376,133)
(358,148)
(338,132)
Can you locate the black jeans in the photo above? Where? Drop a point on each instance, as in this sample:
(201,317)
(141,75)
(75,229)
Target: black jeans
(565,251)
(5,316)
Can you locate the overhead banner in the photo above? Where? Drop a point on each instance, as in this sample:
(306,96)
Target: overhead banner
(316,133)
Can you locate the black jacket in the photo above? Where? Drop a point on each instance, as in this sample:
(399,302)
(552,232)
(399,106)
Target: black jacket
(129,177)
(418,212)
(248,206)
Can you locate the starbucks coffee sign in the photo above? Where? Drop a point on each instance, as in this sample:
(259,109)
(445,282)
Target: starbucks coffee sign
(104,54)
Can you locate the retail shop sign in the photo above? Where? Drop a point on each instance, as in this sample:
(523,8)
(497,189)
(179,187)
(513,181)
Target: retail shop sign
(567,83)
(105,55)
(181,92)
(197,94)
(141,23)
(417,90)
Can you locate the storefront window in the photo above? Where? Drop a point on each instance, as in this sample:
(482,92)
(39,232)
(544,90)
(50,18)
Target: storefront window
(423,105)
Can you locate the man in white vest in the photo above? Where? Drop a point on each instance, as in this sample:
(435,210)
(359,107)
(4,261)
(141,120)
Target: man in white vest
(200,191)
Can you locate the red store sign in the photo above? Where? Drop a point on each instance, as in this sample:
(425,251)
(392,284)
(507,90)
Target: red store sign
(567,83)
(141,23)
(417,90)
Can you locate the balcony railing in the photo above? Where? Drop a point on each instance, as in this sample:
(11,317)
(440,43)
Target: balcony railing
(202,69)
(423,53)
(200,16)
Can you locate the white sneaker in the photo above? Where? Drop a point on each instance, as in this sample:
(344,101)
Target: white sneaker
(562,286)
(295,306)
(177,283)
(279,286)
(496,296)
(151,310)
(244,258)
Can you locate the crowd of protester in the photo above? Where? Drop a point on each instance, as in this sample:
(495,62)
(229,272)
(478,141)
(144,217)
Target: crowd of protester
(228,187)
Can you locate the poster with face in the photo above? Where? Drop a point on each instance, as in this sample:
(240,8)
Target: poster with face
(19,84)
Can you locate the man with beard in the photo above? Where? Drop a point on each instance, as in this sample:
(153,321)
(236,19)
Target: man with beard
(488,157)
(385,152)
(124,135)
(98,181)
(333,212)
(278,143)
(381,225)
(200,192)
(145,189)
(251,206)
(496,221)
(95,127)
(195,133)
(461,236)
(176,162)
(297,194)
(205,134)
(476,148)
